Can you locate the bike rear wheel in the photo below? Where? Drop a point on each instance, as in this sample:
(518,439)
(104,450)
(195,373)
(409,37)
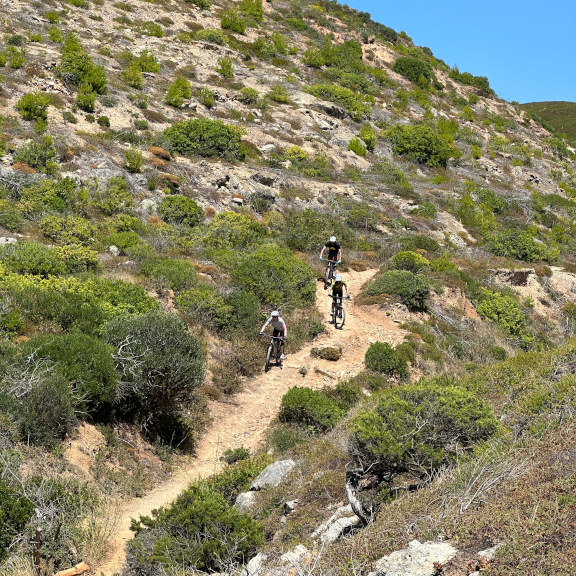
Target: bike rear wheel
(339,317)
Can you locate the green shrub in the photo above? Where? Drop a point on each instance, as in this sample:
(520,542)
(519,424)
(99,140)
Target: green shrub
(421,143)
(357,146)
(479,82)
(173,274)
(204,305)
(123,240)
(418,429)
(152,29)
(408,260)
(40,155)
(278,93)
(225,67)
(164,364)
(114,198)
(411,289)
(85,362)
(10,217)
(45,414)
(199,531)
(414,69)
(419,242)
(206,96)
(103,121)
(503,310)
(232,20)
(368,136)
(133,160)
(233,455)
(86,98)
(394,179)
(252,8)
(32,258)
(78,258)
(147,62)
(203,4)
(275,275)
(521,245)
(34,106)
(68,230)
(232,230)
(309,408)
(178,209)
(381,357)
(133,75)
(205,137)
(313,57)
(55,34)
(357,106)
(15,512)
(178,91)
(77,68)
(213,36)
(249,95)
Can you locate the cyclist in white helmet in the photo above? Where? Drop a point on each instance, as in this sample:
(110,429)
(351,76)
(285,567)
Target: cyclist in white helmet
(279,329)
(334,250)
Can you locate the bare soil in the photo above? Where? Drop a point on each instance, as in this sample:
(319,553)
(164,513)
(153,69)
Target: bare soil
(243,419)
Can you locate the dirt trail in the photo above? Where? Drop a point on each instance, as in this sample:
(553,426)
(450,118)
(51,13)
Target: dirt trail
(243,419)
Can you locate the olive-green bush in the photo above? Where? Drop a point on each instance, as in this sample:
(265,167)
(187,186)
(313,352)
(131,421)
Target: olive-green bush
(357,146)
(309,408)
(381,357)
(232,230)
(32,258)
(414,69)
(521,245)
(204,305)
(178,91)
(39,154)
(86,363)
(418,429)
(68,230)
(163,365)
(115,197)
(205,137)
(178,209)
(167,272)
(276,276)
(408,260)
(232,20)
(411,289)
(421,143)
(15,512)
(199,531)
(358,106)
(34,106)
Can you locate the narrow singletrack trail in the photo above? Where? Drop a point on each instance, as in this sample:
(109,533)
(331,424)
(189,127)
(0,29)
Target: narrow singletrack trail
(242,420)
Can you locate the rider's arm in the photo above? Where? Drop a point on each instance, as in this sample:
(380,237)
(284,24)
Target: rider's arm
(322,251)
(285,328)
(339,255)
(266,324)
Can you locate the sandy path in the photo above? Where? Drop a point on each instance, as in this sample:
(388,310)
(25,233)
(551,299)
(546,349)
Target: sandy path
(243,419)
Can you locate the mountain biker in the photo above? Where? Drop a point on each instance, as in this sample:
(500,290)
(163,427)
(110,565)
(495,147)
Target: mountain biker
(279,329)
(338,288)
(334,255)
(334,250)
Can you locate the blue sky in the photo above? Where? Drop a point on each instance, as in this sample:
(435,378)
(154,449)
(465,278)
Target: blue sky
(526,49)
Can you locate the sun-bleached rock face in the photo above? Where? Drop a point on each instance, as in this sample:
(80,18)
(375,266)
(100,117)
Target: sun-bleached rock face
(416,560)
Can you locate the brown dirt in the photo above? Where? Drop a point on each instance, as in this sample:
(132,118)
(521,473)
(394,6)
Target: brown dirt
(243,419)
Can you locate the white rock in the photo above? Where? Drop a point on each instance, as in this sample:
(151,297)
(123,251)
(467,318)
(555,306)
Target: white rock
(295,555)
(5,240)
(244,501)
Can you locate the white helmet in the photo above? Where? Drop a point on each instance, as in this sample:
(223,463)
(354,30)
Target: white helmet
(332,238)
(275,313)
(338,278)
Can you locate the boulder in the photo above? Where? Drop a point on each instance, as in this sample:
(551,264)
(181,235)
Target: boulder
(416,560)
(244,501)
(274,474)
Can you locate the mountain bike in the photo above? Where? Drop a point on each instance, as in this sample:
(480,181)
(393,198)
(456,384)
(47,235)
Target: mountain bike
(329,273)
(273,352)
(337,312)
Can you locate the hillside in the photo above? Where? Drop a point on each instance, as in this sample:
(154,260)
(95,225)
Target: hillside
(169,172)
(560,116)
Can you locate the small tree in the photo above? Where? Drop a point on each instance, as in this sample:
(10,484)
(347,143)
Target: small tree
(178,209)
(381,357)
(178,91)
(34,106)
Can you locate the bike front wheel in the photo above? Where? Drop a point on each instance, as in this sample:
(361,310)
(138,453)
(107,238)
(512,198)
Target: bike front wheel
(339,318)
(269,356)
